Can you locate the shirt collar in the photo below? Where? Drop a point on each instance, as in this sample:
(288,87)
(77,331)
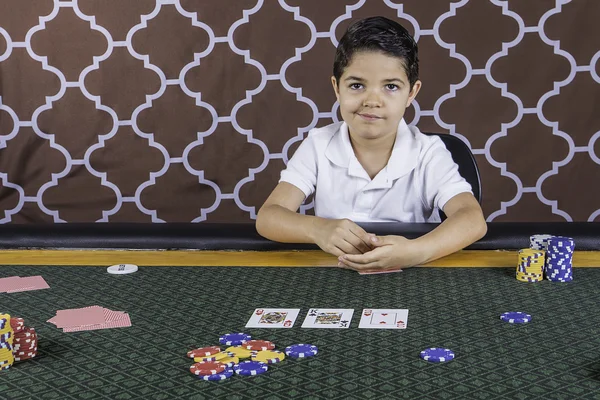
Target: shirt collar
(403,159)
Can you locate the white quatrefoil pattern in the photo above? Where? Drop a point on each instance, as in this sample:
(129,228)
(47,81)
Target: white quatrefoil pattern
(186,111)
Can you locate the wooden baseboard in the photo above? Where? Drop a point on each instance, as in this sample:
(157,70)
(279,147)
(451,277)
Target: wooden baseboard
(465,258)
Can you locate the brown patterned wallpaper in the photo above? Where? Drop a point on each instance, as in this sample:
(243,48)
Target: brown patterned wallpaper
(181,110)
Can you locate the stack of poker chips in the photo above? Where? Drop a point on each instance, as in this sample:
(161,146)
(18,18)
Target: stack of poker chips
(214,364)
(6,343)
(530,267)
(559,259)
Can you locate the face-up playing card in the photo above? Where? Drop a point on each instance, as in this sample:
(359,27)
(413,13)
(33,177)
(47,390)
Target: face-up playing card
(273,318)
(331,318)
(384,318)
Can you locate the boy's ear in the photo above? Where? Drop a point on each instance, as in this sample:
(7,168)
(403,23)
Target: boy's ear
(336,89)
(413,93)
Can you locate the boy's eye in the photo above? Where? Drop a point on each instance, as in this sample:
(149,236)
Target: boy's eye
(392,87)
(355,86)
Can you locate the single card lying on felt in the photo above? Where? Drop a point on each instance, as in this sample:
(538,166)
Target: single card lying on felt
(273,318)
(16,284)
(384,318)
(330,318)
(90,318)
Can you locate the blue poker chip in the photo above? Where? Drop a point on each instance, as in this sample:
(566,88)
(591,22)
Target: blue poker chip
(250,368)
(234,339)
(228,373)
(515,317)
(437,355)
(301,350)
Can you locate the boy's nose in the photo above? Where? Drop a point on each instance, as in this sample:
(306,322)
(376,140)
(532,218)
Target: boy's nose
(372,100)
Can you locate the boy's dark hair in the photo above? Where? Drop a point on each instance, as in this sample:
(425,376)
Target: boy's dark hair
(378,34)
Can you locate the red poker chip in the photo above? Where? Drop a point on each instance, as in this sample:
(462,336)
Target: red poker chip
(17,324)
(259,345)
(25,340)
(207,368)
(31,353)
(204,351)
(27,348)
(25,333)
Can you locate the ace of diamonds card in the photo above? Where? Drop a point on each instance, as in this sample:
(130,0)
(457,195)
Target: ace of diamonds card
(384,318)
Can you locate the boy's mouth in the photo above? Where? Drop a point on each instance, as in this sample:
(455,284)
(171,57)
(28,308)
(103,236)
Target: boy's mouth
(369,117)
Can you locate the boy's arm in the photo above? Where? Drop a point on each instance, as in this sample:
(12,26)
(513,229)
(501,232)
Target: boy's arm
(278,220)
(465,225)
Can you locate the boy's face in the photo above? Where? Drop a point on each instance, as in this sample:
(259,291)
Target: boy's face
(373,93)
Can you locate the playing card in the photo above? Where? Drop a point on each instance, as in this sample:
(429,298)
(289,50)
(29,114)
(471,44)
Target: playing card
(93,315)
(331,318)
(379,271)
(273,318)
(384,319)
(123,322)
(30,283)
(16,284)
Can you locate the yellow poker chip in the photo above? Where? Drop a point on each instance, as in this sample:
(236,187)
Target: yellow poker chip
(230,361)
(214,357)
(239,352)
(269,356)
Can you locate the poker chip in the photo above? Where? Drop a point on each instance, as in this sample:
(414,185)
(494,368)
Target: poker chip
(230,361)
(4,322)
(239,352)
(122,269)
(301,350)
(234,339)
(437,355)
(515,317)
(228,373)
(250,368)
(17,324)
(259,345)
(269,356)
(207,368)
(203,351)
(214,357)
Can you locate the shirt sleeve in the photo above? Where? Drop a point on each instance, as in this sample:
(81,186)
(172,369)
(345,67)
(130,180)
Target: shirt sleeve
(441,178)
(301,170)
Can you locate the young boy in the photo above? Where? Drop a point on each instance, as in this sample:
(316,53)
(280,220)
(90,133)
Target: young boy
(373,167)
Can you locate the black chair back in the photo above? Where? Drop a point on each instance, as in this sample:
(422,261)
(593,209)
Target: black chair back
(463,157)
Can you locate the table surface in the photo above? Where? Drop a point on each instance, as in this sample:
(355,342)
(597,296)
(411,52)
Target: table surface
(175,309)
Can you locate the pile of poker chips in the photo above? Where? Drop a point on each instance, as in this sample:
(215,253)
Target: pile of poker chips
(6,343)
(214,364)
(530,267)
(558,258)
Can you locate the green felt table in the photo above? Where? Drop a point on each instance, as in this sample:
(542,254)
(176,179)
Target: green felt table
(175,309)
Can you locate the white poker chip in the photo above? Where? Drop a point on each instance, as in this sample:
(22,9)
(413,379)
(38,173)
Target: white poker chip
(122,269)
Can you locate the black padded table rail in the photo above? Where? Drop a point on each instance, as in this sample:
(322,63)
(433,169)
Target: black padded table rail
(243,236)
(556,356)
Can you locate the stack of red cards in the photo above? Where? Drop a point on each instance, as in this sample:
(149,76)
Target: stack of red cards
(15,284)
(25,342)
(90,319)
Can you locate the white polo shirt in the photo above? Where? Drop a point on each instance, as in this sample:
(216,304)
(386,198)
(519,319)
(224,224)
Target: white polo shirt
(418,180)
